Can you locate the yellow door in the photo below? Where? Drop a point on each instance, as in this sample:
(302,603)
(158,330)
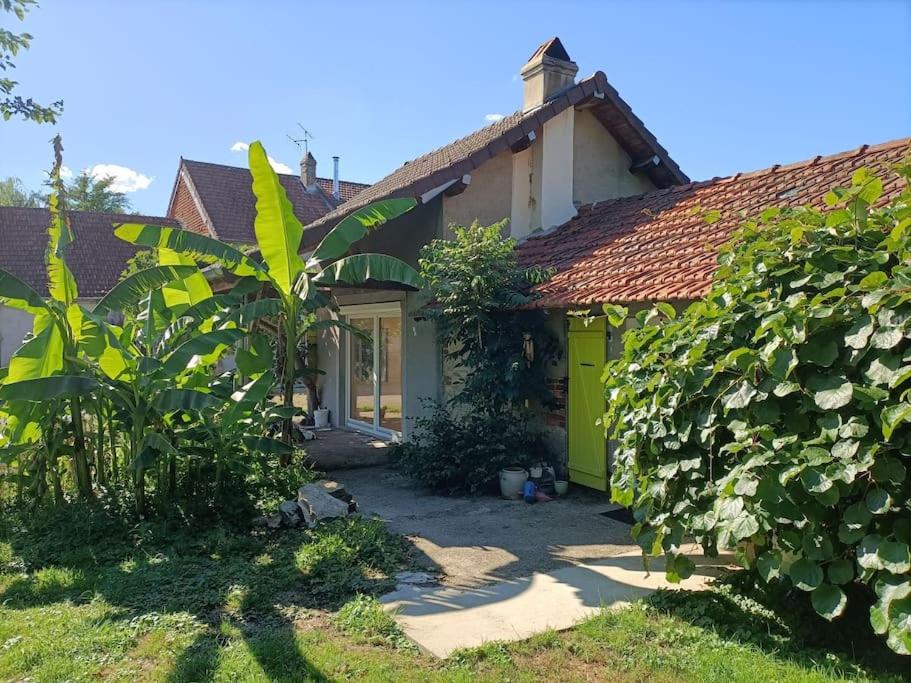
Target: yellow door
(586,441)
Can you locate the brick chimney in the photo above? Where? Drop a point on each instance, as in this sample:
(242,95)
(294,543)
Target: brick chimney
(548,71)
(308,171)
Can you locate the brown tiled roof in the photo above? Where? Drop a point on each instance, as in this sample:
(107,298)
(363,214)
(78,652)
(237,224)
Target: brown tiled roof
(658,246)
(97,257)
(227,198)
(459,158)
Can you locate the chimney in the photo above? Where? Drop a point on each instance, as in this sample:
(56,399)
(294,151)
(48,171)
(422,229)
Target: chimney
(548,71)
(335,190)
(308,171)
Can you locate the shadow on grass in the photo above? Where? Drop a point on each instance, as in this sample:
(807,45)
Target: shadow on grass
(779,620)
(246,590)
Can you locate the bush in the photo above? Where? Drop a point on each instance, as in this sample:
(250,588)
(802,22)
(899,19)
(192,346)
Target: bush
(774,414)
(457,455)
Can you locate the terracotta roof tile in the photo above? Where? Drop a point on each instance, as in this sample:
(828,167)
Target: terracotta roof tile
(97,257)
(657,246)
(227,197)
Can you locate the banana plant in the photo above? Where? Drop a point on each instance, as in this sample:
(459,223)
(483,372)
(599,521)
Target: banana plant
(286,276)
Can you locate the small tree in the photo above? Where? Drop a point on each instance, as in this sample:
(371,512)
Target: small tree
(774,415)
(86,193)
(478,297)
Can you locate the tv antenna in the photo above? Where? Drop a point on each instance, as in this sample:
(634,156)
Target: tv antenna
(304,141)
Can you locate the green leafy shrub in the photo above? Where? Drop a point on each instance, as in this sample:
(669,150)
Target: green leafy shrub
(773,415)
(455,455)
(477,291)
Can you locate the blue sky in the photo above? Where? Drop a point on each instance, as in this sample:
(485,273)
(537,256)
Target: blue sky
(725,87)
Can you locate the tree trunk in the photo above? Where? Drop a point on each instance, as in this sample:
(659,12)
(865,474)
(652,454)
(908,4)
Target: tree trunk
(80,460)
(290,350)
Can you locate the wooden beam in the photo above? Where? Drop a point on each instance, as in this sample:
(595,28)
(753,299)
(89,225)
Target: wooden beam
(458,187)
(523,143)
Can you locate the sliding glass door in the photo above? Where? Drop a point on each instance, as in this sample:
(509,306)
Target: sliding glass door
(375,371)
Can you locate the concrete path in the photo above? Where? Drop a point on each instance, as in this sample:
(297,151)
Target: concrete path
(508,570)
(442,620)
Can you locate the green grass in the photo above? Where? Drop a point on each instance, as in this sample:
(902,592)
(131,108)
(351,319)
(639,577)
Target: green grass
(152,604)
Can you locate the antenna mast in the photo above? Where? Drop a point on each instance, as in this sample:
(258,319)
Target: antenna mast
(304,141)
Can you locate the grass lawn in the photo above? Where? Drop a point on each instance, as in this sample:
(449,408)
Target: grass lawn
(80,603)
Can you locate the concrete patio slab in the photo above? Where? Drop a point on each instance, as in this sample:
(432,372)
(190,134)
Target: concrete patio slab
(476,540)
(446,619)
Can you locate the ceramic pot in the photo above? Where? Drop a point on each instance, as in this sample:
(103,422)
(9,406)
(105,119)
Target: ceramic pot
(561,487)
(512,479)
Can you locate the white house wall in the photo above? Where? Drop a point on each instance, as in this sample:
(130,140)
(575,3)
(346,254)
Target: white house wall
(14,326)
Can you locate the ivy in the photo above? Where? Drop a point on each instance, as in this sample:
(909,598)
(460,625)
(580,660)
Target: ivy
(773,416)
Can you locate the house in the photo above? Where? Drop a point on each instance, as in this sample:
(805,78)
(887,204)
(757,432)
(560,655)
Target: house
(96,257)
(570,144)
(589,191)
(217,200)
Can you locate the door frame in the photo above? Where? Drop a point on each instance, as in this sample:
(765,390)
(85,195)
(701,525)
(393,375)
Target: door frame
(391,309)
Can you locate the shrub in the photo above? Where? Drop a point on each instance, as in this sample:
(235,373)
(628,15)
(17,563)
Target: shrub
(773,415)
(457,455)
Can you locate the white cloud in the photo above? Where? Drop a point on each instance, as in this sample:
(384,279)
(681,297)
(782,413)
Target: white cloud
(66,172)
(278,166)
(125,179)
(494,117)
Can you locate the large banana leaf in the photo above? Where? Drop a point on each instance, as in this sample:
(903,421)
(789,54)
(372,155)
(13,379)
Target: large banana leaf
(99,341)
(179,295)
(16,294)
(356,226)
(130,291)
(47,388)
(262,444)
(278,232)
(40,356)
(361,268)
(201,345)
(170,400)
(257,358)
(199,247)
(248,398)
(61,283)
(245,315)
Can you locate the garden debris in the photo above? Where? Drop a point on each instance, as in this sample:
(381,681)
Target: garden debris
(291,513)
(413,578)
(324,499)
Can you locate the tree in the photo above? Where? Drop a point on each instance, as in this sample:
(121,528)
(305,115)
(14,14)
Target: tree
(291,284)
(86,193)
(774,415)
(14,193)
(10,45)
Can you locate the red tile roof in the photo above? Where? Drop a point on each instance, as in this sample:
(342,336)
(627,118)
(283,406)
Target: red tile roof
(97,257)
(658,246)
(460,157)
(227,199)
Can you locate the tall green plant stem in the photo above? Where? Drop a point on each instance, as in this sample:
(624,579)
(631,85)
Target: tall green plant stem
(290,354)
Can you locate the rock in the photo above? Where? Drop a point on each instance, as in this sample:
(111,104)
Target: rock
(260,521)
(274,521)
(290,513)
(317,503)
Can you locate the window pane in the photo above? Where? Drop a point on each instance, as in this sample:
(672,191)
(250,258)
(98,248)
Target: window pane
(390,373)
(361,373)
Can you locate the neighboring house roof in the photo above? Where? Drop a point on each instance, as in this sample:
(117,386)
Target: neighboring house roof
(658,245)
(96,257)
(223,198)
(459,158)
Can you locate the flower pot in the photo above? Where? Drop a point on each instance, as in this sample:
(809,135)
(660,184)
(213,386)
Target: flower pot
(561,487)
(512,479)
(320,418)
